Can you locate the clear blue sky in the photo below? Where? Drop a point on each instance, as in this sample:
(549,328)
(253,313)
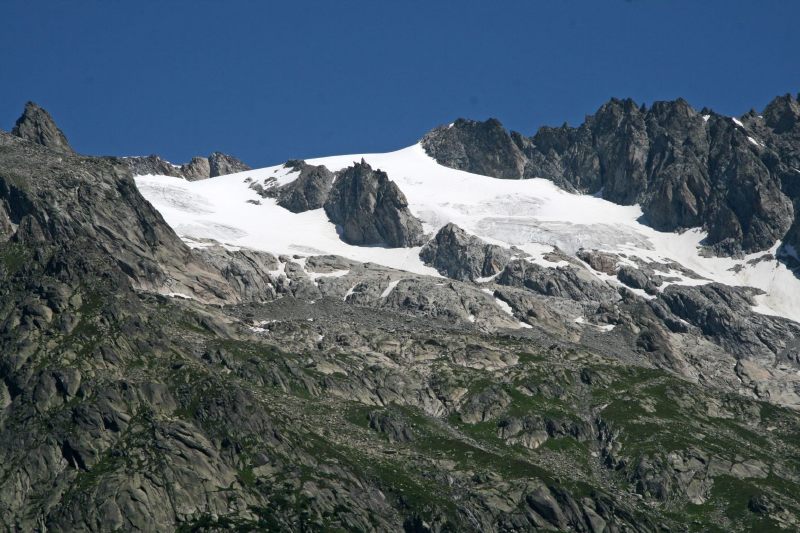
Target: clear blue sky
(270,80)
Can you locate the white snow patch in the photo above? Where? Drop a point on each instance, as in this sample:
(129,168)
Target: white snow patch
(349,292)
(706,117)
(179,295)
(333,274)
(500,303)
(504,306)
(315,276)
(388,290)
(737,122)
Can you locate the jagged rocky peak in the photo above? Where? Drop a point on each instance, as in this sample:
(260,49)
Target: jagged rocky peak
(222,164)
(459,255)
(150,164)
(199,168)
(196,169)
(479,147)
(678,108)
(613,112)
(36,125)
(686,169)
(782,114)
(370,209)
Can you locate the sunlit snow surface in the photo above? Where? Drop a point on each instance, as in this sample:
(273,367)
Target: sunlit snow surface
(533,215)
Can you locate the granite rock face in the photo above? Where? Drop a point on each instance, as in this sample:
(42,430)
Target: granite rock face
(36,125)
(478,147)
(572,283)
(223,164)
(371,210)
(685,168)
(199,168)
(196,169)
(90,207)
(308,191)
(151,164)
(459,255)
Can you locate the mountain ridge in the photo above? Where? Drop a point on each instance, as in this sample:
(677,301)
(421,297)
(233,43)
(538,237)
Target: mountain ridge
(154,378)
(684,167)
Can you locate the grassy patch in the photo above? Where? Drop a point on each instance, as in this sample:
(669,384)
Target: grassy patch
(13,257)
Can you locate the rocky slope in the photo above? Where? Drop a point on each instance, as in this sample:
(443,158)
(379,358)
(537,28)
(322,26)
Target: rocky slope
(458,255)
(686,168)
(146,385)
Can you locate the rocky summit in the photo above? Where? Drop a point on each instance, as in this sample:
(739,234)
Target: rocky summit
(199,168)
(686,168)
(400,345)
(36,125)
(370,209)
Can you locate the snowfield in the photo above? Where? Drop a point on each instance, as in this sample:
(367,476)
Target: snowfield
(534,215)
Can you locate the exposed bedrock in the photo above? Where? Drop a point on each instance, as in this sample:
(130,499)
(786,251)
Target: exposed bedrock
(369,209)
(36,125)
(459,255)
(308,191)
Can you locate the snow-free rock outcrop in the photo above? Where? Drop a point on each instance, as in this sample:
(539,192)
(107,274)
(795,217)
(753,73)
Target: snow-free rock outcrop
(199,168)
(370,209)
(478,147)
(223,164)
(459,255)
(38,126)
(308,191)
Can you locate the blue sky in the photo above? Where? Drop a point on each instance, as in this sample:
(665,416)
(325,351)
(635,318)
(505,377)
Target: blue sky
(268,81)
